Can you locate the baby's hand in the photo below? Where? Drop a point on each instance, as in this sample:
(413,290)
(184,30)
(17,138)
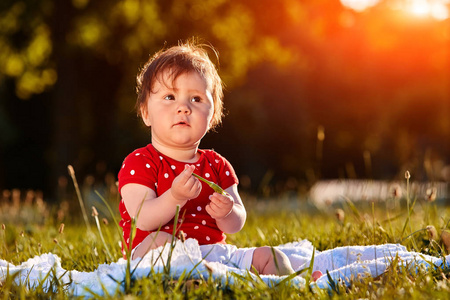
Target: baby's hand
(220,206)
(185,186)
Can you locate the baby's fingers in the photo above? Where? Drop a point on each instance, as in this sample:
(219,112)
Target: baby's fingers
(221,199)
(216,205)
(216,211)
(210,211)
(196,188)
(186,179)
(187,173)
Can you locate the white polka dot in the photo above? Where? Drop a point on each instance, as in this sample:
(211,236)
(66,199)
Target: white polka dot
(180,220)
(217,161)
(207,175)
(156,184)
(203,222)
(148,166)
(193,215)
(123,166)
(167,227)
(124,212)
(196,227)
(137,154)
(166,175)
(208,238)
(132,172)
(227,173)
(198,165)
(173,167)
(160,158)
(210,165)
(128,241)
(199,208)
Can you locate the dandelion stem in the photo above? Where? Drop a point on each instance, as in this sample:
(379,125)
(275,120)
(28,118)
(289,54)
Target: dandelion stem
(214,186)
(373,221)
(412,234)
(319,150)
(407,222)
(95,214)
(408,200)
(80,199)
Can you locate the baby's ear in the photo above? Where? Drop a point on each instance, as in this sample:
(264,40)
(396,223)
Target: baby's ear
(211,123)
(145,116)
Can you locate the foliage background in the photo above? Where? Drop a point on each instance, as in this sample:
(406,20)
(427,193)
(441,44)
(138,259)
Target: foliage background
(376,81)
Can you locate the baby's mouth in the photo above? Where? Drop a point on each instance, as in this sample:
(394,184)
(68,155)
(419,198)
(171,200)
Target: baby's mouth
(181,123)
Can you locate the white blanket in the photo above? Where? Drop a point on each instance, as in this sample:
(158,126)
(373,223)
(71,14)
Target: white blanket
(342,263)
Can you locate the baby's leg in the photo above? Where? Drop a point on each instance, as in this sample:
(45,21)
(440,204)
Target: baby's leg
(152,241)
(266,263)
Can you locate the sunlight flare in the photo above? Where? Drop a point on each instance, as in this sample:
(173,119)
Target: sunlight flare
(436,9)
(359,5)
(419,7)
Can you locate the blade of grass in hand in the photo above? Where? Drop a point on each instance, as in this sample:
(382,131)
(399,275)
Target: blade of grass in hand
(214,186)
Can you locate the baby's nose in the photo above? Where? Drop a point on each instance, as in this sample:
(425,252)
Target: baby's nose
(183,109)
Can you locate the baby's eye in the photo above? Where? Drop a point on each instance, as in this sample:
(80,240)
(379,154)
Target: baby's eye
(196,99)
(169,97)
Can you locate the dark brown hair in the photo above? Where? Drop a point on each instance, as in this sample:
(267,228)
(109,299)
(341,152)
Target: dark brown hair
(184,58)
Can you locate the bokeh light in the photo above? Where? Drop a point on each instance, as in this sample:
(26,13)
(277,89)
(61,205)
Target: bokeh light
(436,9)
(359,5)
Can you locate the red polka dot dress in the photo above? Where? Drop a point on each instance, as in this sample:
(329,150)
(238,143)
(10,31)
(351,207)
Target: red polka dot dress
(148,167)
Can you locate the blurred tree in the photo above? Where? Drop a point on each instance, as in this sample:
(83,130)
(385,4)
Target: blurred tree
(289,66)
(26,46)
(85,54)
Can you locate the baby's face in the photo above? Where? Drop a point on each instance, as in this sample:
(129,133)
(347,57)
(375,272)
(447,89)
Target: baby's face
(179,111)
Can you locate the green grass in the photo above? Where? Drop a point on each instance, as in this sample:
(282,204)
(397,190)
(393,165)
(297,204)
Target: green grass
(269,222)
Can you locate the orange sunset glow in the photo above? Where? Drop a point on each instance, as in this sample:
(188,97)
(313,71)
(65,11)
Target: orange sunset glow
(373,74)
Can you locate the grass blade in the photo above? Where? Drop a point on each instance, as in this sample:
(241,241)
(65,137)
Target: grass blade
(310,268)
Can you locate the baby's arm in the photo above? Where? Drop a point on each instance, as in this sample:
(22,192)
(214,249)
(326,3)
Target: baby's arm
(228,210)
(157,211)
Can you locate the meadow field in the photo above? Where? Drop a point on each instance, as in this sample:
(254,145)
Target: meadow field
(32,227)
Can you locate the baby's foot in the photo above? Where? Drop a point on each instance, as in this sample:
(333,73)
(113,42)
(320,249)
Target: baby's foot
(316,275)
